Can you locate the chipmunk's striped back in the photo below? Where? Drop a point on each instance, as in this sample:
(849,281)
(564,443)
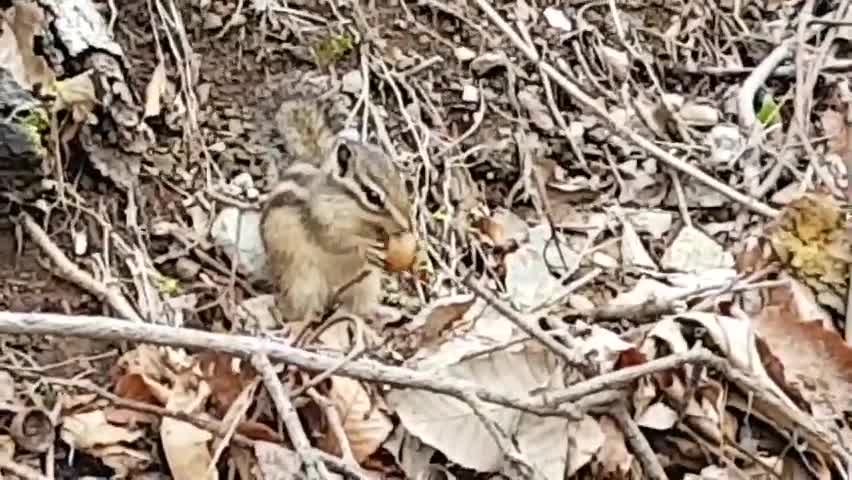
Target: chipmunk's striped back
(335,206)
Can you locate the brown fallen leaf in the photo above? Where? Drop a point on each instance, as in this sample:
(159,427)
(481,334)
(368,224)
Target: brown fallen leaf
(365,427)
(816,362)
(20,24)
(227,377)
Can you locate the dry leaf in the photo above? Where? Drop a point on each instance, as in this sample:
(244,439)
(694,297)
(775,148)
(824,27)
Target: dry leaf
(123,460)
(76,94)
(33,430)
(840,141)
(614,456)
(7,387)
(91,429)
(20,24)
(133,386)
(658,416)
(448,424)
(366,427)
(227,377)
(154,91)
(437,317)
(816,362)
(7,446)
(185,445)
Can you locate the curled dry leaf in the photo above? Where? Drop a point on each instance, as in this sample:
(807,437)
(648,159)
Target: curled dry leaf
(737,339)
(33,430)
(614,457)
(133,386)
(258,431)
(437,317)
(504,227)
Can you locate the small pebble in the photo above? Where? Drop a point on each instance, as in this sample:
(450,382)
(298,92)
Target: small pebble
(212,21)
(464,54)
(470,94)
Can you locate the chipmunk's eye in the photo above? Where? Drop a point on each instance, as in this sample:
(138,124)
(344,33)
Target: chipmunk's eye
(373,196)
(344,157)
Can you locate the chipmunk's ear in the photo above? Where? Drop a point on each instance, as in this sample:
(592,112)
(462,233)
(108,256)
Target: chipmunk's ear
(344,158)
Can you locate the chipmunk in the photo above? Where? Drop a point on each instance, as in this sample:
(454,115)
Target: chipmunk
(336,212)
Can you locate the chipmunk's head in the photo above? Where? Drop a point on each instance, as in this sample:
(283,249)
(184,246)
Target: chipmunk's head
(364,203)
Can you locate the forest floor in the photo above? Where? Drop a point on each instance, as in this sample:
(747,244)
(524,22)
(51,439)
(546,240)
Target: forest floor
(636,207)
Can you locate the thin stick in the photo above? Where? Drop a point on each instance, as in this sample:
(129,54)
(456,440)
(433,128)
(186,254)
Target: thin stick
(106,328)
(71,272)
(752,204)
(314,469)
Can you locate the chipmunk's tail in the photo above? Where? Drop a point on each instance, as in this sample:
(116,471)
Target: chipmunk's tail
(304,124)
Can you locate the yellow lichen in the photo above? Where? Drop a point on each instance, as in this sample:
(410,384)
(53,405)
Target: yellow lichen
(168,286)
(811,237)
(332,49)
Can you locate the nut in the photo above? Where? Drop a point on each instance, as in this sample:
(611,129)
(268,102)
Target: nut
(400,252)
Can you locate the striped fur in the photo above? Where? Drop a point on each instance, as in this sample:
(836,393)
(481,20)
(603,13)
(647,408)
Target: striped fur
(332,209)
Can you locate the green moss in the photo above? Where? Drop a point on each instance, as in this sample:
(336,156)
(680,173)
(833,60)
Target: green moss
(35,124)
(333,49)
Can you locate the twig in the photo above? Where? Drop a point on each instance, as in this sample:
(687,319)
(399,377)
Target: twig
(73,273)
(233,418)
(231,21)
(20,470)
(216,427)
(314,469)
(618,378)
(335,424)
(752,204)
(662,305)
(527,327)
(107,328)
(641,447)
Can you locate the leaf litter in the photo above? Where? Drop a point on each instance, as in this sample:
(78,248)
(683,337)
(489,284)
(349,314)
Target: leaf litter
(667,290)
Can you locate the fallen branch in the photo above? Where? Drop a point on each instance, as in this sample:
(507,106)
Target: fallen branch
(107,328)
(71,272)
